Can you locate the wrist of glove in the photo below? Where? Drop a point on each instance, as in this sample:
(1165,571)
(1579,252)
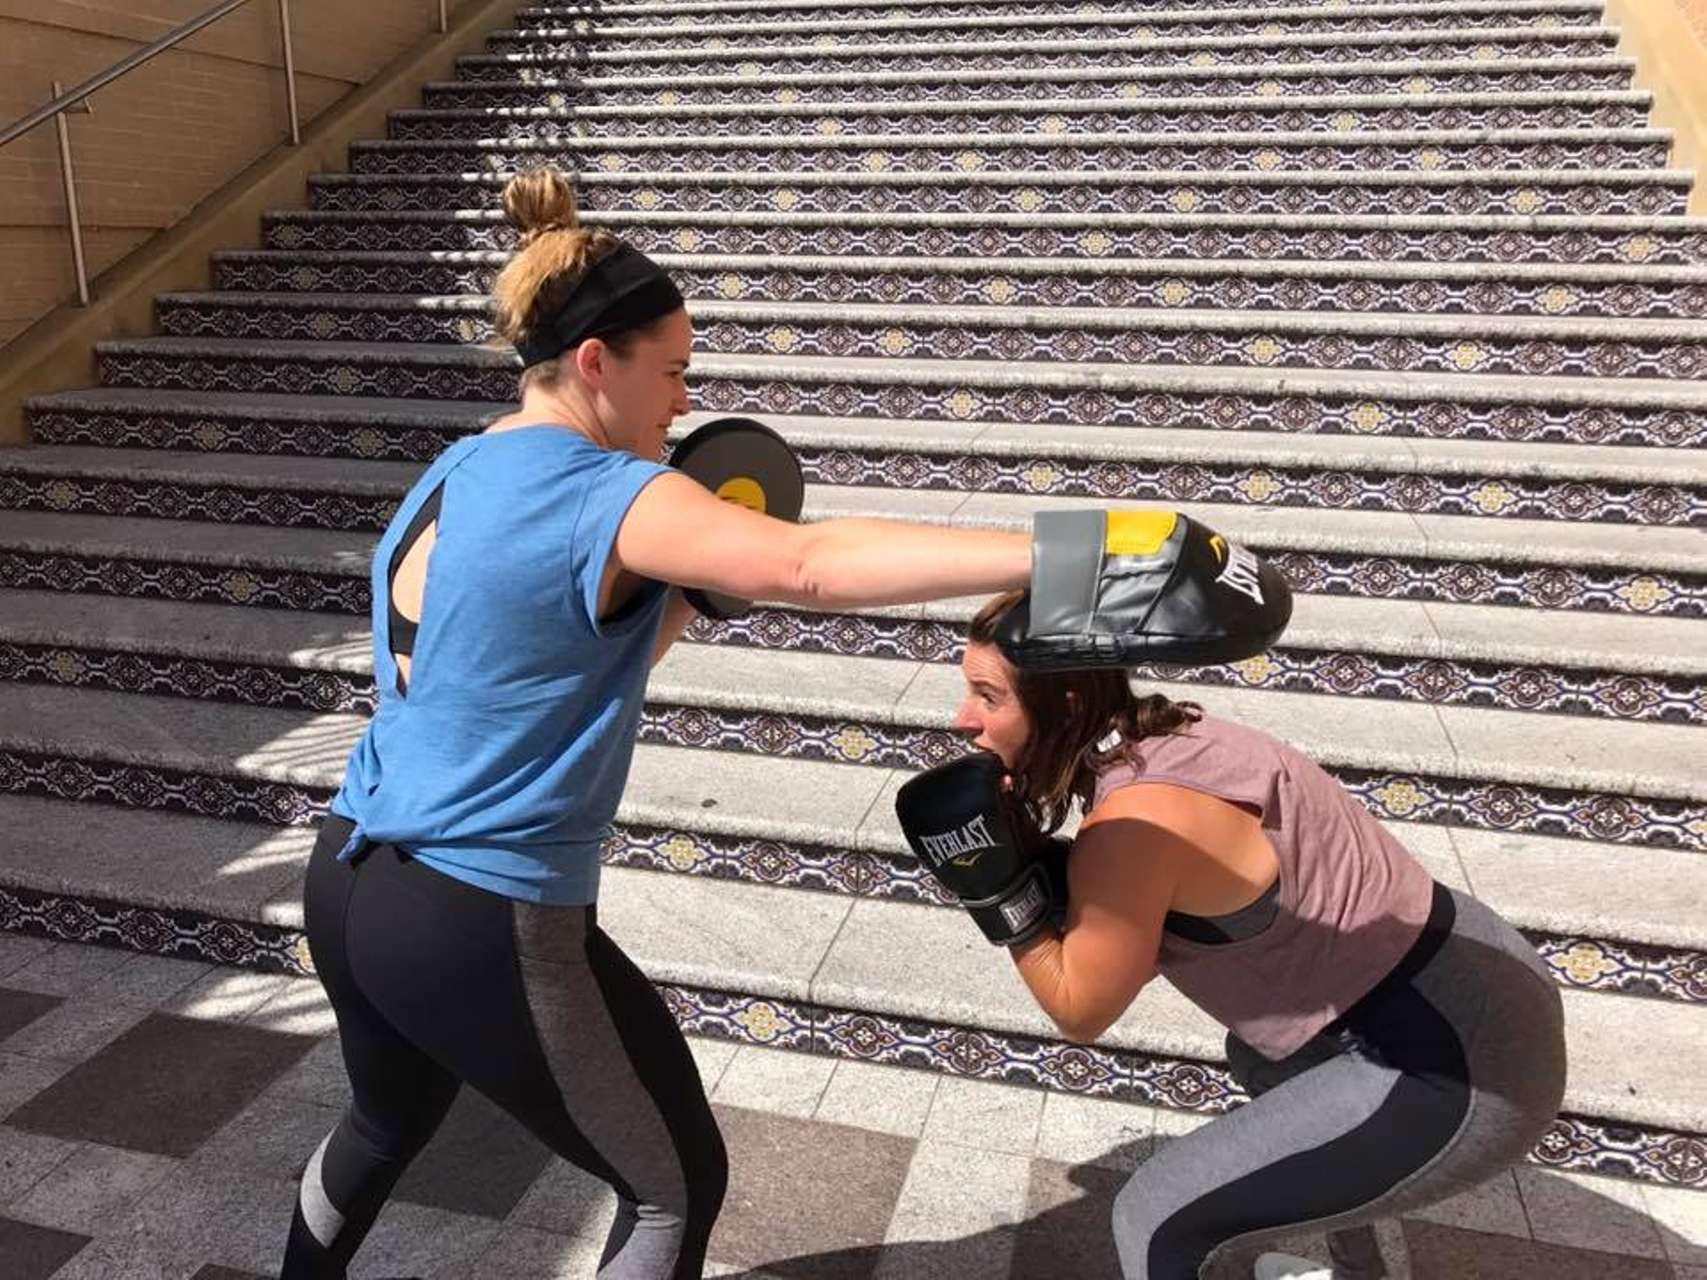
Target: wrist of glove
(960,826)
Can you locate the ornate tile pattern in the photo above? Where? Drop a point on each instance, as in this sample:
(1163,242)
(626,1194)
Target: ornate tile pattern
(1137,236)
(1104,153)
(830,54)
(147,786)
(1266,114)
(538,32)
(556,15)
(1464,802)
(1576,1143)
(1421,192)
(1243,484)
(189,583)
(1236,286)
(1548,587)
(745,83)
(459,375)
(352,319)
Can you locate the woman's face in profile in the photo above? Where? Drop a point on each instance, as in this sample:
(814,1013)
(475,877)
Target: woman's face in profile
(991,714)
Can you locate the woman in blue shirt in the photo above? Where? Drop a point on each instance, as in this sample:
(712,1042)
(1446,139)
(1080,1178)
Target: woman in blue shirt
(528,582)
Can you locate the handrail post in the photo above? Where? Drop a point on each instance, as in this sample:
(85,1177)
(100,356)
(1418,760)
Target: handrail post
(69,176)
(290,74)
(444,21)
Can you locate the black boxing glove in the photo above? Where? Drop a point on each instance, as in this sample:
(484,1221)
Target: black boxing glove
(958,823)
(1117,588)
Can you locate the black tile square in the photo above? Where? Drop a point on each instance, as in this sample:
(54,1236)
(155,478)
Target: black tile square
(211,1272)
(35,1253)
(480,1162)
(165,1086)
(20,1008)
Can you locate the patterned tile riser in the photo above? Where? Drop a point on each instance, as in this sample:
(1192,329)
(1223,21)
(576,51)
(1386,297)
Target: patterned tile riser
(1034,341)
(1491,47)
(1417,798)
(594,34)
(1509,498)
(1597,591)
(552,15)
(1432,419)
(1440,194)
(1492,116)
(1576,1143)
(525,88)
(1672,246)
(1553,690)
(990,285)
(434,158)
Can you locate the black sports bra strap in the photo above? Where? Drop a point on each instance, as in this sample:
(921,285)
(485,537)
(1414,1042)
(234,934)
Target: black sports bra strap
(403,630)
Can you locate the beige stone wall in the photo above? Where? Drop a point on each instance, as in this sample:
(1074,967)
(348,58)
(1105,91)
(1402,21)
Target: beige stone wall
(1695,14)
(169,133)
(1668,40)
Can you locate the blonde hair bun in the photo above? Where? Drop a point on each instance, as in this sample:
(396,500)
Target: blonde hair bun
(540,200)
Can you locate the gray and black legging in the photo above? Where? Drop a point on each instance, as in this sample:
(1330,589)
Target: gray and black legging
(435,984)
(1445,1074)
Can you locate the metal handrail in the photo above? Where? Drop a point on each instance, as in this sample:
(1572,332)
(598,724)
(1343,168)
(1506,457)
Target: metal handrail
(63,102)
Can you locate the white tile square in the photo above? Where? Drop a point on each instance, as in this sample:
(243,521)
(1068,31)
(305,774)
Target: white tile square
(300,1008)
(526,1253)
(18,950)
(27,1158)
(1099,1131)
(990,1117)
(948,1197)
(226,995)
(22,1078)
(68,969)
(1584,1212)
(775,1080)
(149,981)
(712,1057)
(887,1099)
(76,1030)
(1680,1216)
(1494,1208)
(94,1186)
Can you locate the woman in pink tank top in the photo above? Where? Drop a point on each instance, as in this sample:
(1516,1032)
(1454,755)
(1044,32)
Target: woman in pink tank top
(1401,1042)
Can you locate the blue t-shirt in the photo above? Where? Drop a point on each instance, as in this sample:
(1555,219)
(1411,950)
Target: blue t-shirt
(503,763)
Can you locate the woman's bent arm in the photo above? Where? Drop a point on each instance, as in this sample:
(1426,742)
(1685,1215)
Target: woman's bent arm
(1120,881)
(678,532)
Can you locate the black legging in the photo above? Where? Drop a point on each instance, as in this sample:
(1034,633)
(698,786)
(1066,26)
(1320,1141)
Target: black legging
(435,984)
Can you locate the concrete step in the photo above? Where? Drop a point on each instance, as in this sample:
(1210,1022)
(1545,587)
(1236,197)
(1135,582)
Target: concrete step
(1271,152)
(1635,291)
(759,81)
(1373,239)
(1025,326)
(1113,22)
(137,458)
(686,13)
(1652,669)
(1634,411)
(1162,14)
(286,759)
(861,53)
(1475,191)
(1594,109)
(795,969)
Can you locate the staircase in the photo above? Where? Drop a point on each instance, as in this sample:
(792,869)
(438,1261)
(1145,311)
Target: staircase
(1400,294)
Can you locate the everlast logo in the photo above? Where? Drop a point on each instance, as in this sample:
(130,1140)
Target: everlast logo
(962,845)
(1242,572)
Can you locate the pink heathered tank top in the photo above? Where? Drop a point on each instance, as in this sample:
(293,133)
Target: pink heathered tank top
(1351,899)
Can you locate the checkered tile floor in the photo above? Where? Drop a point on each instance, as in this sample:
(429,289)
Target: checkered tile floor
(155,1113)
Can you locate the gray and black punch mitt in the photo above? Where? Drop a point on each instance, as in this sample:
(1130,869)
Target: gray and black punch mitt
(1120,588)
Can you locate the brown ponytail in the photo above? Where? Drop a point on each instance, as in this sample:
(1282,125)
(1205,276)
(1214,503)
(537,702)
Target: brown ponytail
(554,253)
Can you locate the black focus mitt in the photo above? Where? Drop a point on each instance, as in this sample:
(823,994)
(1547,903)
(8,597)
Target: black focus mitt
(1119,588)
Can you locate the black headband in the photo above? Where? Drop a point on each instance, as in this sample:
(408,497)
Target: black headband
(622,290)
